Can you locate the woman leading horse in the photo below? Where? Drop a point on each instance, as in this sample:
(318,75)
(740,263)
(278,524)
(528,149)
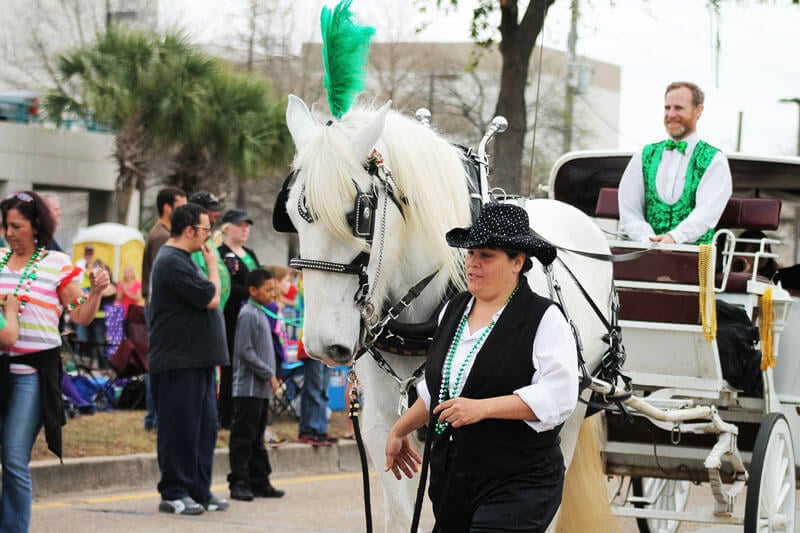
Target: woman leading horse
(500,382)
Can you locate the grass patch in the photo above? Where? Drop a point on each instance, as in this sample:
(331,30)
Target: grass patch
(122,432)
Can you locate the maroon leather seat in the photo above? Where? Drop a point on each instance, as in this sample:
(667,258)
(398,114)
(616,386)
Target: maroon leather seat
(743,213)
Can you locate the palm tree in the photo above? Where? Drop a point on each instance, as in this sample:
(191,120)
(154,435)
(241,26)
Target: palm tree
(166,99)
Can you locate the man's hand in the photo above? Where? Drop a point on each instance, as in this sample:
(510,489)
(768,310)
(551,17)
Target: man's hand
(210,256)
(663,239)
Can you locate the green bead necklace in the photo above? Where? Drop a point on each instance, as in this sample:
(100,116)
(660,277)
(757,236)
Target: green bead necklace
(444,388)
(27,277)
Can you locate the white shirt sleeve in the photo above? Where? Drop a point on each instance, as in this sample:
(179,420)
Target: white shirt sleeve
(713,192)
(422,390)
(553,392)
(631,201)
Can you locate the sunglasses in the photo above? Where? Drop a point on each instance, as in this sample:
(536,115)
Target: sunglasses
(23,196)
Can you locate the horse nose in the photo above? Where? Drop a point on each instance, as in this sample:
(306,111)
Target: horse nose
(339,353)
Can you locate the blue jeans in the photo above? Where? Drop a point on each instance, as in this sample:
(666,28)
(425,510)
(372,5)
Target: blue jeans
(20,422)
(151,417)
(314,397)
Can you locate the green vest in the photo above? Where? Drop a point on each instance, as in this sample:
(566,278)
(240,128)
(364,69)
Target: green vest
(224,275)
(662,216)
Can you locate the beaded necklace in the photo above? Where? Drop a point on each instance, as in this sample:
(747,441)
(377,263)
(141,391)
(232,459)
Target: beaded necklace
(27,277)
(444,388)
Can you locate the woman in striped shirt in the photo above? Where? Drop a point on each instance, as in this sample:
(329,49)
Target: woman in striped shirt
(45,283)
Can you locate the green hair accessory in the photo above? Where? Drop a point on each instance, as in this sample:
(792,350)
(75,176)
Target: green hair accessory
(345,51)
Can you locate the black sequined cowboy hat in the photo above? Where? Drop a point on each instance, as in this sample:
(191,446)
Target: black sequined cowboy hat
(504,226)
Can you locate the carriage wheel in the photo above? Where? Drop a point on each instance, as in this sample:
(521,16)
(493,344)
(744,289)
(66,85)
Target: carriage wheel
(770,504)
(667,495)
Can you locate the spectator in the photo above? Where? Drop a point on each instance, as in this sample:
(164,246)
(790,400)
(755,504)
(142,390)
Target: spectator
(186,343)
(254,383)
(96,346)
(282,276)
(45,283)
(239,260)
(54,204)
(214,207)
(313,427)
(129,291)
(279,334)
(167,200)
(88,342)
(86,264)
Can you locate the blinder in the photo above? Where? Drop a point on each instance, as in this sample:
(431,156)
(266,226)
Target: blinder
(280,217)
(361,219)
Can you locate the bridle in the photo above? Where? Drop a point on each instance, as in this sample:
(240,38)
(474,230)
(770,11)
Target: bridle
(362,221)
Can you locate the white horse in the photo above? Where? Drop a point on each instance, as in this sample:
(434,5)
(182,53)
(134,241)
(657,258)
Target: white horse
(424,195)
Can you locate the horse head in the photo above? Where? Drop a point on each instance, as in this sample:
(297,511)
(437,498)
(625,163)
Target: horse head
(356,220)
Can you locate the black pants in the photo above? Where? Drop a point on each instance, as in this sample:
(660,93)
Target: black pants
(187,431)
(248,455)
(526,501)
(225,400)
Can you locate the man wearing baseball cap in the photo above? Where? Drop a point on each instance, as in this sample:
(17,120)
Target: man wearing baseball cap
(215,207)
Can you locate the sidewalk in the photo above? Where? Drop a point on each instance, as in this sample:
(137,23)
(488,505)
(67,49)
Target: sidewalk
(141,470)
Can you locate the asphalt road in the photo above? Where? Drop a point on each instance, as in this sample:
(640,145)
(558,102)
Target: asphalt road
(328,503)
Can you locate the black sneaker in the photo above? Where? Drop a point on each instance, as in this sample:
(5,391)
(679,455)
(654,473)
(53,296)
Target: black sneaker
(185,506)
(241,492)
(268,492)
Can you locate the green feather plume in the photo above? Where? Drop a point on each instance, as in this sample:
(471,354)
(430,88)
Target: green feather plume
(345,50)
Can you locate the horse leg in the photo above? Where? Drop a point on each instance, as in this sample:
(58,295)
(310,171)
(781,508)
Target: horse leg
(585,475)
(379,413)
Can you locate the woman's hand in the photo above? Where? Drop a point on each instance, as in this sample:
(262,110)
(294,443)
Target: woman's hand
(460,411)
(99,280)
(400,457)
(11,305)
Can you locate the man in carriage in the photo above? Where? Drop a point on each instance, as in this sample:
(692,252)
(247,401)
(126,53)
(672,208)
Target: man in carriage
(675,191)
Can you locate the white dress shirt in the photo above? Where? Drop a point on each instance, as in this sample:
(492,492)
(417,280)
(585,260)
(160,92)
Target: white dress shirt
(713,193)
(553,392)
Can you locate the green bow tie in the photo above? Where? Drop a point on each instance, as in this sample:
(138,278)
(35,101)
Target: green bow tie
(673,145)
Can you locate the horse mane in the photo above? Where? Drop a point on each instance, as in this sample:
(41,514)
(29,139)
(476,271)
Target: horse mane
(428,171)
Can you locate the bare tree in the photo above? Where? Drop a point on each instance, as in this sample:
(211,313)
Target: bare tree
(35,30)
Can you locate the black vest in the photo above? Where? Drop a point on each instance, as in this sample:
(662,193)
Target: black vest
(503,364)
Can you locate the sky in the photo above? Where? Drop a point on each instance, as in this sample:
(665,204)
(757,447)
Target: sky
(653,41)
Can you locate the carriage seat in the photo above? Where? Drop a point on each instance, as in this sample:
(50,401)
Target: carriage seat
(669,266)
(740,213)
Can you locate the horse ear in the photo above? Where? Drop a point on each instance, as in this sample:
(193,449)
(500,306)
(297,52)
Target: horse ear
(300,121)
(365,141)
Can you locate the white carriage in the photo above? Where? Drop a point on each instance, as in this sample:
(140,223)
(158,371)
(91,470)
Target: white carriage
(693,425)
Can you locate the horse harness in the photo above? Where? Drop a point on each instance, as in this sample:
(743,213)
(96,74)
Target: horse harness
(377,332)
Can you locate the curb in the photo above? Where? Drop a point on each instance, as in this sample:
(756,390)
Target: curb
(141,470)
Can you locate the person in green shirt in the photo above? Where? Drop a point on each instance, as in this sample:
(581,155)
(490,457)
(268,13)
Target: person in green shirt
(214,206)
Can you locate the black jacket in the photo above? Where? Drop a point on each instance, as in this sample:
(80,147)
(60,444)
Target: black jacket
(239,292)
